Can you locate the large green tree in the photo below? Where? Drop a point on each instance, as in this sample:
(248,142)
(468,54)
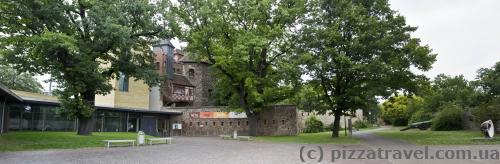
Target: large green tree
(18,81)
(355,50)
(82,44)
(248,42)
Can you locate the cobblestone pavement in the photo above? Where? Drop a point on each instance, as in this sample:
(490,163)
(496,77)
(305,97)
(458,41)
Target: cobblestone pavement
(203,150)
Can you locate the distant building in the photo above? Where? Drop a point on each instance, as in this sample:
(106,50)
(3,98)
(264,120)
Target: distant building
(188,82)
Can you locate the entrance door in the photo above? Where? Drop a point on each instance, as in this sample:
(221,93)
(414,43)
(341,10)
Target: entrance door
(148,125)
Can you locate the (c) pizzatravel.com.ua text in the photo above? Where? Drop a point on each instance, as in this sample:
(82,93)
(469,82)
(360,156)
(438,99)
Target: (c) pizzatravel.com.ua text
(319,154)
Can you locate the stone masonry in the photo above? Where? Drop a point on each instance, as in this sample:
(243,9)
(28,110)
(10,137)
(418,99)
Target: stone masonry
(276,120)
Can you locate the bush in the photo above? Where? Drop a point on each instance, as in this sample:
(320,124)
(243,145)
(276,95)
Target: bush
(400,121)
(420,116)
(395,110)
(360,124)
(450,117)
(488,111)
(313,125)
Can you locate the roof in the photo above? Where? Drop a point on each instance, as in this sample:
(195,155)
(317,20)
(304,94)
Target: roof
(8,94)
(165,43)
(38,98)
(187,59)
(181,80)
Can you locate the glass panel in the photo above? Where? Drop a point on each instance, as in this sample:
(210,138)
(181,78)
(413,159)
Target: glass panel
(15,117)
(56,122)
(112,122)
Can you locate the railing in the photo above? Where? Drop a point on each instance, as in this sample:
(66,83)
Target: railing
(177,98)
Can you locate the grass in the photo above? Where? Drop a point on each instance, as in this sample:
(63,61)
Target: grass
(310,138)
(18,141)
(428,137)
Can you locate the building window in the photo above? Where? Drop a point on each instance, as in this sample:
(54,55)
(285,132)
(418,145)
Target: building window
(191,72)
(206,123)
(199,123)
(238,123)
(265,122)
(190,92)
(157,65)
(221,123)
(213,123)
(274,121)
(282,122)
(247,123)
(230,123)
(123,83)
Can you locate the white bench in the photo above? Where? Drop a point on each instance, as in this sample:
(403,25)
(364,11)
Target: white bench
(108,142)
(245,138)
(167,140)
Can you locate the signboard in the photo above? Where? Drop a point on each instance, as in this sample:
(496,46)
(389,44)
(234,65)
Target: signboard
(176,126)
(217,115)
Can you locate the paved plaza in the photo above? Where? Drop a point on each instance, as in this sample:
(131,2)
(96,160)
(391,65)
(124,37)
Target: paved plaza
(188,150)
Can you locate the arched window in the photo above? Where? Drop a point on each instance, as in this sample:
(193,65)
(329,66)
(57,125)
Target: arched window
(191,72)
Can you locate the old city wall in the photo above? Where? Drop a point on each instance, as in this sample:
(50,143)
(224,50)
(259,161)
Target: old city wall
(275,120)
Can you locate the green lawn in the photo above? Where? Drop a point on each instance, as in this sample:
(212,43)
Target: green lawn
(429,137)
(312,138)
(17,141)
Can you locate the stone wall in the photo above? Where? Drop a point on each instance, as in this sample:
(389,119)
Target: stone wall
(202,80)
(275,120)
(325,118)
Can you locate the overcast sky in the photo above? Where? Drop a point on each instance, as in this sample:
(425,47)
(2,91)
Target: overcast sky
(464,33)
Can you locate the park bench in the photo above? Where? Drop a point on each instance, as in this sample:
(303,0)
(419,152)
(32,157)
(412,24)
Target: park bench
(226,137)
(245,138)
(108,142)
(167,140)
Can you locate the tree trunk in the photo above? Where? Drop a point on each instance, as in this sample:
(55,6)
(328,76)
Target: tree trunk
(336,125)
(85,125)
(253,122)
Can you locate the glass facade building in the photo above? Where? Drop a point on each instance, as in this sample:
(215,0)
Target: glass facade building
(36,114)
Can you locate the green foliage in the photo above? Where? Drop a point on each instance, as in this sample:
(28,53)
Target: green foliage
(361,124)
(73,40)
(356,50)
(489,81)
(248,43)
(449,118)
(488,111)
(395,110)
(18,81)
(313,125)
(419,116)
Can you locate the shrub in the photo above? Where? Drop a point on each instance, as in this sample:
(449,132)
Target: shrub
(420,116)
(450,117)
(402,121)
(395,110)
(488,111)
(313,125)
(360,124)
